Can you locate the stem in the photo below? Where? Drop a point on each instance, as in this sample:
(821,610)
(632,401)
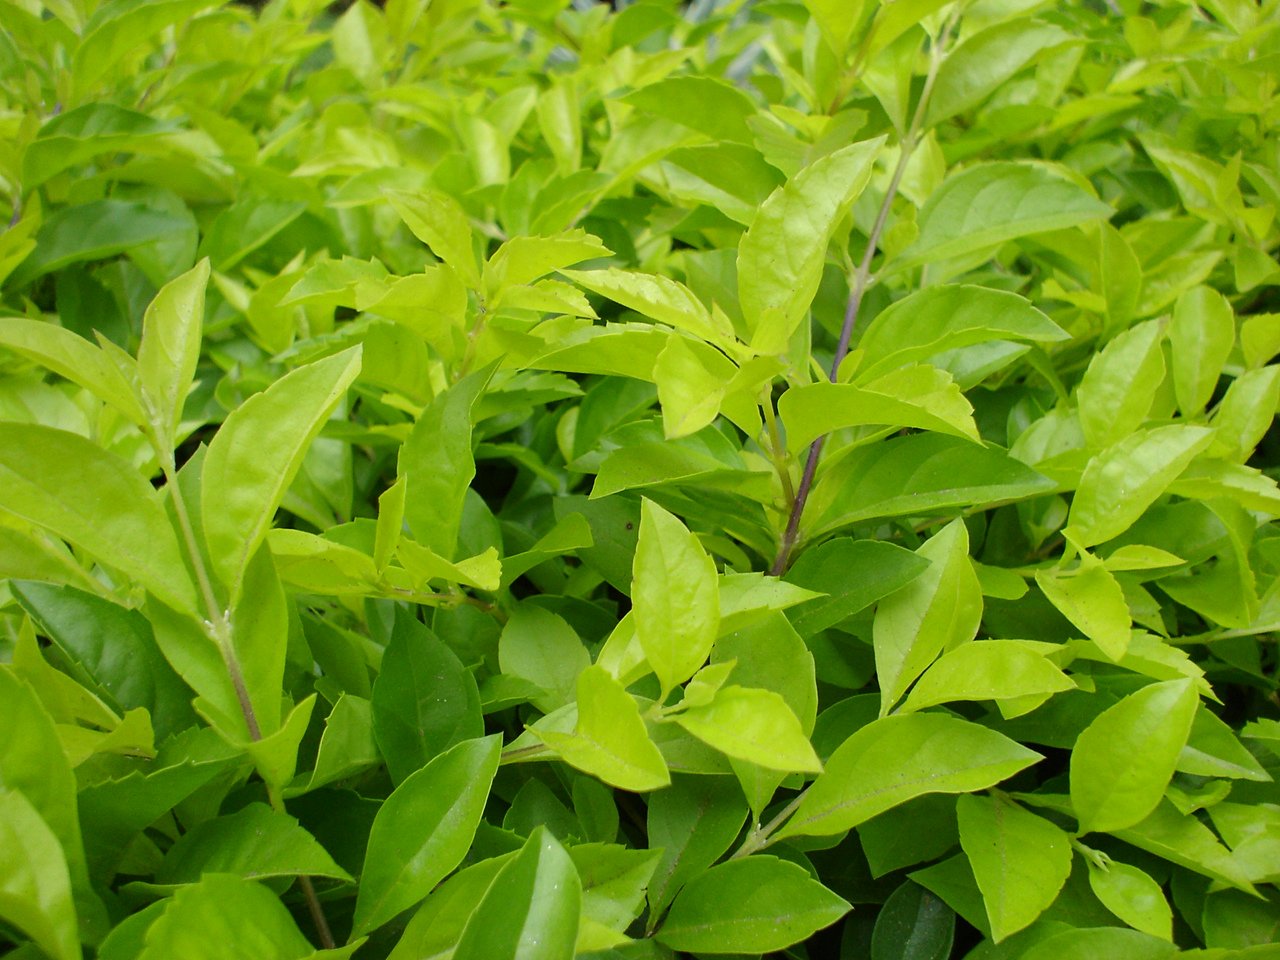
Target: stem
(519,753)
(317,913)
(778,450)
(861,280)
(759,838)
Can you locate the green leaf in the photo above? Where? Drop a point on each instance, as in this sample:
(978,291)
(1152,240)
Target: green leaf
(609,740)
(936,612)
(729,177)
(1245,414)
(88,131)
(424,700)
(256,454)
(1201,335)
(675,596)
(37,890)
(440,222)
(1092,599)
(781,256)
(1132,896)
(1124,759)
(984,61)
(754,725)
(255,842)
(894,19)
(1122,481)
(690,394)
(522,260)
(1212,750)
(702,103)
(917,475)
(438,924)
(1020,860)
(988,204)
(114,32)
(693,822)
(539,646)
(837,20)
(1183,839)
(853,574)
(913,924)
(259,637)
(438,464)
(92,498)
(423,831)
(531,911)
(657,297)
(987,670)
(754,905)
(228,917)
(614,880)
(347,747)
(1118,388)
(929,321)
(170,349)
(893,759)
(920,396)
(1088,944)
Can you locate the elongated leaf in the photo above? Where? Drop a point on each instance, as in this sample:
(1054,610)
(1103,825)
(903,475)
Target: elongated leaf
(913,924)
(87,131)
(256,454)
(987,670)
(675,596)
(936,319)
(423,831)
(609,740)
(115,31)
(657,297)
(96,501)
(893,759)
(988,203)
(1020,860)
(170,348)
(522,260)
(424,700)
(532,908)
(693,822)
(853,574)
(731,177)
(937,611)
(780,257)
(704,104)
(1121,482)
(1202,332)
(440,222)
(1116,392)
(755,905)
(1092,599)
(754,725)
(1123,761)
(37,891)
(837,20)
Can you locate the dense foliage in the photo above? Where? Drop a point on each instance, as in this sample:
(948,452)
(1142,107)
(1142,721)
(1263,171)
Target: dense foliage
(440,512)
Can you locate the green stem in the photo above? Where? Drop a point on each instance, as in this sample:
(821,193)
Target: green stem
(761,837)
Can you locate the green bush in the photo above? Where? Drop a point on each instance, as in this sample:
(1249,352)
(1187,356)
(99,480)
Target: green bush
(516,480)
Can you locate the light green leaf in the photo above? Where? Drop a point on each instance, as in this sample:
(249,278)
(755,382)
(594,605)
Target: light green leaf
(440,222)
(1122,481)
(255,842)
(609,740)
(276,754)
(531,910)
(853,574)
(1020,860)
(1119,386)
(437,925)
(1183,839)
(1132,896)
(614,879)
(37,890)
(837,19)
(935,319)
(538,646)
(937,611)
(522,260)
(1088,943)
(1245,414)
(780,258)
(657,297)
(675,597)
(987,670)
(894,19)
(1201,335)
(987,204)
(894,759)
(753,725)
(423,830)
(754,905)
(170,348)
(689,393)
(114,32)
(225,917)
(258,451)
(729,177)
(1092,599)
(702,103)
(1124,759)
(92,498)
(88,131)
(980,64)
(347,746)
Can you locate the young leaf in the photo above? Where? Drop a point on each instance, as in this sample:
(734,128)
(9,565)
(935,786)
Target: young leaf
(1122,481)
(423,831)
(521,260)
(893,759)
(780,258)
(37,892)
(702,103)
(256,454)
(938,611)
(754,905)
(609,740)
(424,700)
(1123,761)
(986,204)
(441,223)
(753,725)
(675,596)
(1118,388)
(1132,896)
(1092,599)
(986,670)
(170,349)
(92,498)
(531,910)
(1201,335)
(657,297)
(690,394)
(1020,860)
